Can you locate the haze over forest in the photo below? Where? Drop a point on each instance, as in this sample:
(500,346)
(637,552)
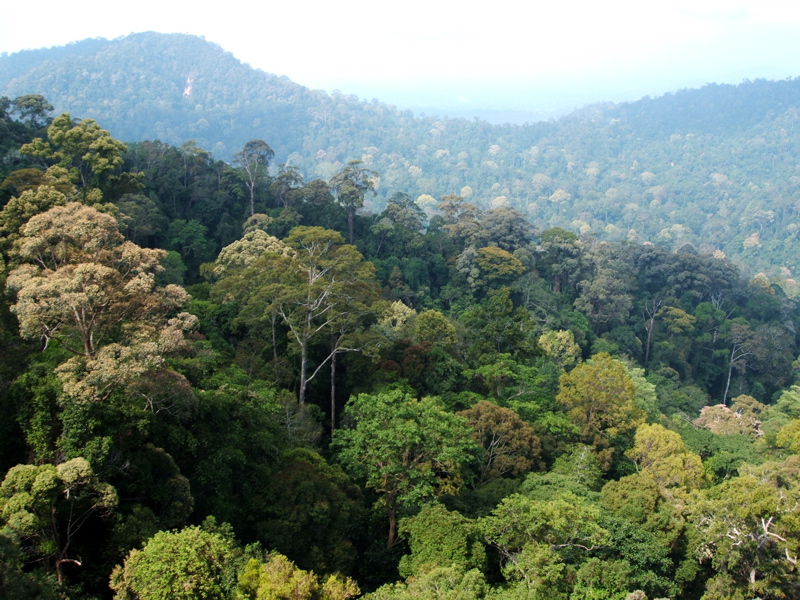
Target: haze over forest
(712,167)
(259,341)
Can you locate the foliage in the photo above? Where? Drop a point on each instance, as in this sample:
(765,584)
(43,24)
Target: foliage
(311,512)
(189,415)
(87,151)
(538,541)
(407,450)
(320,288)
(507,445)
(190,563)
(438,537)
(43,508)
(441,583)
(279,579)
(750,531)
(599,398)
(662,455)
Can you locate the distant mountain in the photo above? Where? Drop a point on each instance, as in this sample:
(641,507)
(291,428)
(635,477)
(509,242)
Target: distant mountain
(715,167)
(171,87)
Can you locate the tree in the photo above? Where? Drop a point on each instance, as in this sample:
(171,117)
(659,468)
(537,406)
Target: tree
(742,418)
(661,454)
(16,582)
(432,326)
(279,579)
(495,326)
(397,230)
(309,508)
(488,267)
(462,222)
(319,287)
(86,150)
(44,507)
(559,252)
(187,564)
(437,583)
(85,288)
(409,451)
(350,185)
(33,108)
(242,253)
(648,533)
(254,159)
(31,202)
(750,532)
(140,218)
(743,344)
(650,312)
(507,228)
(604,299)
(287,186)
(599,397)
(404,213)
(559,346)
(439,537)
(507,445)
(536,540)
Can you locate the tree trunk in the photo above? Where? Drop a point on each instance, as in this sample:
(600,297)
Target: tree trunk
(301,396)
(391,510)
(274,342)
(649,327)
(350,215)
(333,383)
(728,383)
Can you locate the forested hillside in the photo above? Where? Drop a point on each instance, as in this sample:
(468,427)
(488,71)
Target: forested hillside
(715,167)
(229,380)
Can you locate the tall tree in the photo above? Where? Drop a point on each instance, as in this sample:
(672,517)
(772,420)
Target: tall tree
(749,533)
(287,186)
(85,288)
(537,539)
(254,159)
(662,455)
(33,109)
(350,185)
(407,450)
(322,288)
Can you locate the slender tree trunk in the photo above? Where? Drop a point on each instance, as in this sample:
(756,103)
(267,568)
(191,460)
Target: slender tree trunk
(391,510)
(301,397)
(650,326)
(728,383)
(274,343)
(350,216)
(333,383)
(738,352)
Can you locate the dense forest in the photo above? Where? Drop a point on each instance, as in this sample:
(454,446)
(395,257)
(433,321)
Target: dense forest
(714,167)
(233,380)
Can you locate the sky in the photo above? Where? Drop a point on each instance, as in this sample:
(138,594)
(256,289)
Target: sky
(500,58)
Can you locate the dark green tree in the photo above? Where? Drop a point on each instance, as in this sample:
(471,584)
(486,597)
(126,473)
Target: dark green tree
(350,185)
(409,451)
(253,160)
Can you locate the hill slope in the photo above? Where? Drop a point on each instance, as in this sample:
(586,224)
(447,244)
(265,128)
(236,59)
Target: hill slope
(714,167)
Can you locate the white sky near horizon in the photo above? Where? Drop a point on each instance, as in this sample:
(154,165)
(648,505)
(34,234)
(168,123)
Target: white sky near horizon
(427,52)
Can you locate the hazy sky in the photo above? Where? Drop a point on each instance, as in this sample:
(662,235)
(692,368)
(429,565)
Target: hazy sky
(434,53)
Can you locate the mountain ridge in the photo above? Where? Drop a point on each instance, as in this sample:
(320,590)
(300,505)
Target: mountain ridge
(713,167)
